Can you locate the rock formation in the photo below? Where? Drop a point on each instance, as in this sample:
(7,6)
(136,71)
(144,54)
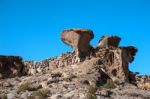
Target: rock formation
(100,72)
(109,41)
(10,66)
(79,39)
(115,62)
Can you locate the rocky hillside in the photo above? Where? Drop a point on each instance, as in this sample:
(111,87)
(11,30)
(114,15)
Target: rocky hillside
(100,72)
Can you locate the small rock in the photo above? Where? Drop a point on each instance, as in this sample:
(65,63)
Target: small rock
(56,96)
(7,84)
(146,86)
(58,74)
(85,82)
(11,96)
(44,84)
(54,80)
(24,95)
(39,70)
(34,87)
(32,71)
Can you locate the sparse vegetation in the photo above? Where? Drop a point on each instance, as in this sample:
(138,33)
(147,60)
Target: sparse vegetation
(3,96)
(110,84)
(31,97)
(91,93)
(87,72)
(24,86)
(41,93)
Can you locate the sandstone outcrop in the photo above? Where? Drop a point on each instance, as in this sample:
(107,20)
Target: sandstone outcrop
(115,59)
(100,72)
(79,39)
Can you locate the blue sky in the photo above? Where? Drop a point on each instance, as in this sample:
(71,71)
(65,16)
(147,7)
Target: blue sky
(32,28)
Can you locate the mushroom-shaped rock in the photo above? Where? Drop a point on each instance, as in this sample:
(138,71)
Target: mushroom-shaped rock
(109,41)
(79,39)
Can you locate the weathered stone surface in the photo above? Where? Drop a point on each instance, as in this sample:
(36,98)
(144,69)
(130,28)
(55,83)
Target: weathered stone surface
(116,61)
(131,53)
(11,66)
(31,67)
(103,74)
(79,39)
(106,41)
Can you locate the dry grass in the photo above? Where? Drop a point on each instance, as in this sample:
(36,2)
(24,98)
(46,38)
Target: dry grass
(23,86)
(3,96)
(91,93)
(41,93)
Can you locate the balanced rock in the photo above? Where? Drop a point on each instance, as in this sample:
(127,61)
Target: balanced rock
(106,41)
(79,39)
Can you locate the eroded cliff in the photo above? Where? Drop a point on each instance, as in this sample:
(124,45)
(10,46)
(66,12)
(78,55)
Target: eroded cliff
(88,72)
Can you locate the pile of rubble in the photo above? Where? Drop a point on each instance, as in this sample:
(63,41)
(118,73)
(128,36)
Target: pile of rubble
(100,72)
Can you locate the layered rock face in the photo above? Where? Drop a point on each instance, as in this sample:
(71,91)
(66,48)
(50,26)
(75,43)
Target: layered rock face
(100,72)
(10,66)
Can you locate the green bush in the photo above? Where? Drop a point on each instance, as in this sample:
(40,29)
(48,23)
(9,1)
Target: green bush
(91,93)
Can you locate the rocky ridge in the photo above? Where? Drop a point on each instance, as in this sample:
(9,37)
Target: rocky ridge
(100,72)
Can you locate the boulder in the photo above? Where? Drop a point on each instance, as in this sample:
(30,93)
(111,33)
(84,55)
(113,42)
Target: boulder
(10,66)
(106,41)
(79,40)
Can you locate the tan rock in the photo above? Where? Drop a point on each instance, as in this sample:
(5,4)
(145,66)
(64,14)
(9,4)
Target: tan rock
(146,86)
(44,84)
(32,71)
(79,39)
(116,61)
(106,41)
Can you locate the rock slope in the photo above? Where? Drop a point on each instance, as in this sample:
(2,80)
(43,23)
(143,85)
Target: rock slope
(100,72)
